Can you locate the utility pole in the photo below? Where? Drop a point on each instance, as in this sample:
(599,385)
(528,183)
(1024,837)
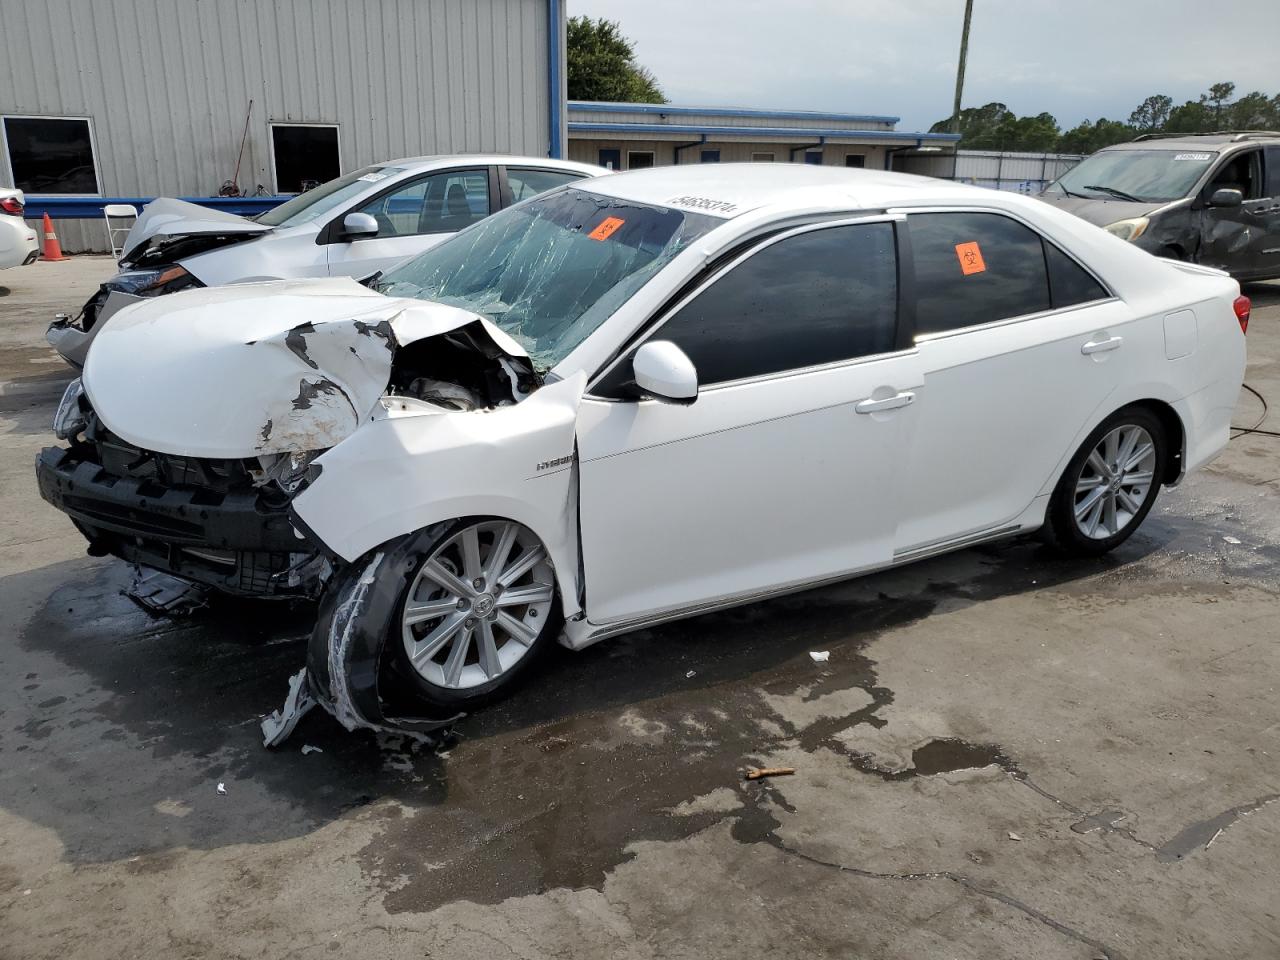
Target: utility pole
(964,52)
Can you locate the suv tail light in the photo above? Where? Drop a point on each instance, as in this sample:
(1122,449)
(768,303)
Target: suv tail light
(1242,306)
(11,206)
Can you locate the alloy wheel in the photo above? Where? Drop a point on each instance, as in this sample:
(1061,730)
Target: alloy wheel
(477,604)
(1115,481)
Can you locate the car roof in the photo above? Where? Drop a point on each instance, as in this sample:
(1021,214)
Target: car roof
(449,159)
(1215,142)
(730,189)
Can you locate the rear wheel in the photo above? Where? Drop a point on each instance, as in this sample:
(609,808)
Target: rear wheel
(1110,484)
(475,613)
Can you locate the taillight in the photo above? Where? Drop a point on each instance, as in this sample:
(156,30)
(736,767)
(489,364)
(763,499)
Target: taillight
(1242,306)
(11,206)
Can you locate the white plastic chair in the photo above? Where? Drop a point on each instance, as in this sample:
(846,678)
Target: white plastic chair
(121,211)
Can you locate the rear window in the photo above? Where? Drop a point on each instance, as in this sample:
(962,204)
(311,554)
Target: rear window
(976,268)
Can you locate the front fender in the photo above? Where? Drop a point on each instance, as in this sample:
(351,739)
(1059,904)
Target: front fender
(404,471)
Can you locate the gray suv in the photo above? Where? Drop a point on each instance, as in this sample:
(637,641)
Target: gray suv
(1211,199)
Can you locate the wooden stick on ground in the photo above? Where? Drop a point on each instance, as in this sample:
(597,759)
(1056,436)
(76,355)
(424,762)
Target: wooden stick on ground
(755,773)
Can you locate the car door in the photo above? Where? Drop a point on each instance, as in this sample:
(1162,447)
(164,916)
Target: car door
(521,183)
(1244,240)
(782,472)
(413,216)
(1019,346)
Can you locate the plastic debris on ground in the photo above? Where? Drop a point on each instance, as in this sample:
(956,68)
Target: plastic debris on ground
(222,789)
(819,656)
(1014,836)
(163,595)
(278,727)
(1231,540)
(308,748)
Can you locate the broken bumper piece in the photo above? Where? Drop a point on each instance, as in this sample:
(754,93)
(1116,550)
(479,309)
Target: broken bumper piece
(344,658)
(231,541)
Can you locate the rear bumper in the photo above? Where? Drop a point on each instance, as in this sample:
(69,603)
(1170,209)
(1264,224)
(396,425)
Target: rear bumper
(230,541)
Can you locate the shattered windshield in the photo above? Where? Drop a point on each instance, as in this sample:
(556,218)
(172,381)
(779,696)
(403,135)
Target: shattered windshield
(549,271)
(1149,176)
(318,201)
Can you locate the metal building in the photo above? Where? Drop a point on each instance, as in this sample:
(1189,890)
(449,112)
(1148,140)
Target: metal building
(144,98)
(627,136)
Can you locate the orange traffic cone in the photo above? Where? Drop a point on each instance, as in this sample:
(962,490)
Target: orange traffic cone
(52,249)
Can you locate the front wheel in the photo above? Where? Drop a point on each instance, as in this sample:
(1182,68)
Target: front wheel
(1110,484)
(474,614)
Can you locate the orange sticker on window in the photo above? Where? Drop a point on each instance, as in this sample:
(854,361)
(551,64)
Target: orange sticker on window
(970,256)
(608,226)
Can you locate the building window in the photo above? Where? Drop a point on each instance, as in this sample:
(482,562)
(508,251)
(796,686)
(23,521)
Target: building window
(639,159)
(858,160)
(813,156)
(304,155)
(710,156)
(51,155)
(762,158)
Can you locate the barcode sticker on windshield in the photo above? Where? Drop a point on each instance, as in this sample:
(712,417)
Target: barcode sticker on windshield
(970,257)
(606,229)
(1194,156)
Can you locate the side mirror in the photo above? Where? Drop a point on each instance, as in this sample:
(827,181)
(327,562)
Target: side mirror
(358,226)
(663,371)
(1226,197)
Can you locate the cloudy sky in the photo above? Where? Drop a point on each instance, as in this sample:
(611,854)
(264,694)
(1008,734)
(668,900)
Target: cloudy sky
(1076,59)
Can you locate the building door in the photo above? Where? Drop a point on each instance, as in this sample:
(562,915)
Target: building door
(611,159)
(813,156)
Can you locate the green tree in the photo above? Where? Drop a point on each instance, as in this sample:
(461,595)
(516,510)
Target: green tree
(1254,111)
(602,65)
(1219,94)
(1152,113)
(1091,137)
(1192,117)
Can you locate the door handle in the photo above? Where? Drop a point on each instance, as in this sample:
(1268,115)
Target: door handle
(1101,346)
(888,403)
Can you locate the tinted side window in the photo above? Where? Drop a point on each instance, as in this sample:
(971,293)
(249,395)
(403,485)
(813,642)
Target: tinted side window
(1069,284)
(815,298)
(974,268)
(529,183)
(1273,172)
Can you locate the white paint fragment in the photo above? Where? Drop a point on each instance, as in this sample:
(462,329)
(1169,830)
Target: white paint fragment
(222,789)
(819,656)
(1014,836)
(308,748)
(1231,540)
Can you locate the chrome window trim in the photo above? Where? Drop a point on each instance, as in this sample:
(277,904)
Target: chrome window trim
(1023,318)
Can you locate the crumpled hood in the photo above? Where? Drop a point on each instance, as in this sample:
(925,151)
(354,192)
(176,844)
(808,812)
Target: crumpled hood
(166,217)
(1101,212)
(257,368)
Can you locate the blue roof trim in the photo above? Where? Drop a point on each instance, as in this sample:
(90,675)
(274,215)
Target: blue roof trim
(597,106)
(581,126)
(86,208)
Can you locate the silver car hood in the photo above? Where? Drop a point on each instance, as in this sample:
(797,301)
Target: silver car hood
(1102,212)
(257,368)
(166,217)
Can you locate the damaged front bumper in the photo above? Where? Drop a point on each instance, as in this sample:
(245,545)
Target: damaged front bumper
(237,542)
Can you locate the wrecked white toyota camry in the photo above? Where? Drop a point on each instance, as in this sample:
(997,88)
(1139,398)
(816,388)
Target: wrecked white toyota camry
(670,391)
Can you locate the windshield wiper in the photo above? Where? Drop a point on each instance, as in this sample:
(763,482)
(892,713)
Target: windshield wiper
(1078,196)
(1118,194)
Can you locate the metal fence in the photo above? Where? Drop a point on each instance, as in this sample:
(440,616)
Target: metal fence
(1018,172)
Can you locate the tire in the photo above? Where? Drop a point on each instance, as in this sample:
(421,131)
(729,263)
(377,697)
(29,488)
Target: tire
(459,593)
(1084,522)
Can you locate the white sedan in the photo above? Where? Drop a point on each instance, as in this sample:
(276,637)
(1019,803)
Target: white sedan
(18,245)
(355,226)
(639,399)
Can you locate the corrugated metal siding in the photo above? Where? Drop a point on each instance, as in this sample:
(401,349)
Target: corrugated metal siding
(166,83)
(1007,171)
(721,120)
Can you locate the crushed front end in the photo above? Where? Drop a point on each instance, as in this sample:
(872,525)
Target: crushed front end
(219,522)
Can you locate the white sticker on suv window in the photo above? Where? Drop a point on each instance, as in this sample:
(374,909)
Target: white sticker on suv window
(373,177)
(1194,156)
